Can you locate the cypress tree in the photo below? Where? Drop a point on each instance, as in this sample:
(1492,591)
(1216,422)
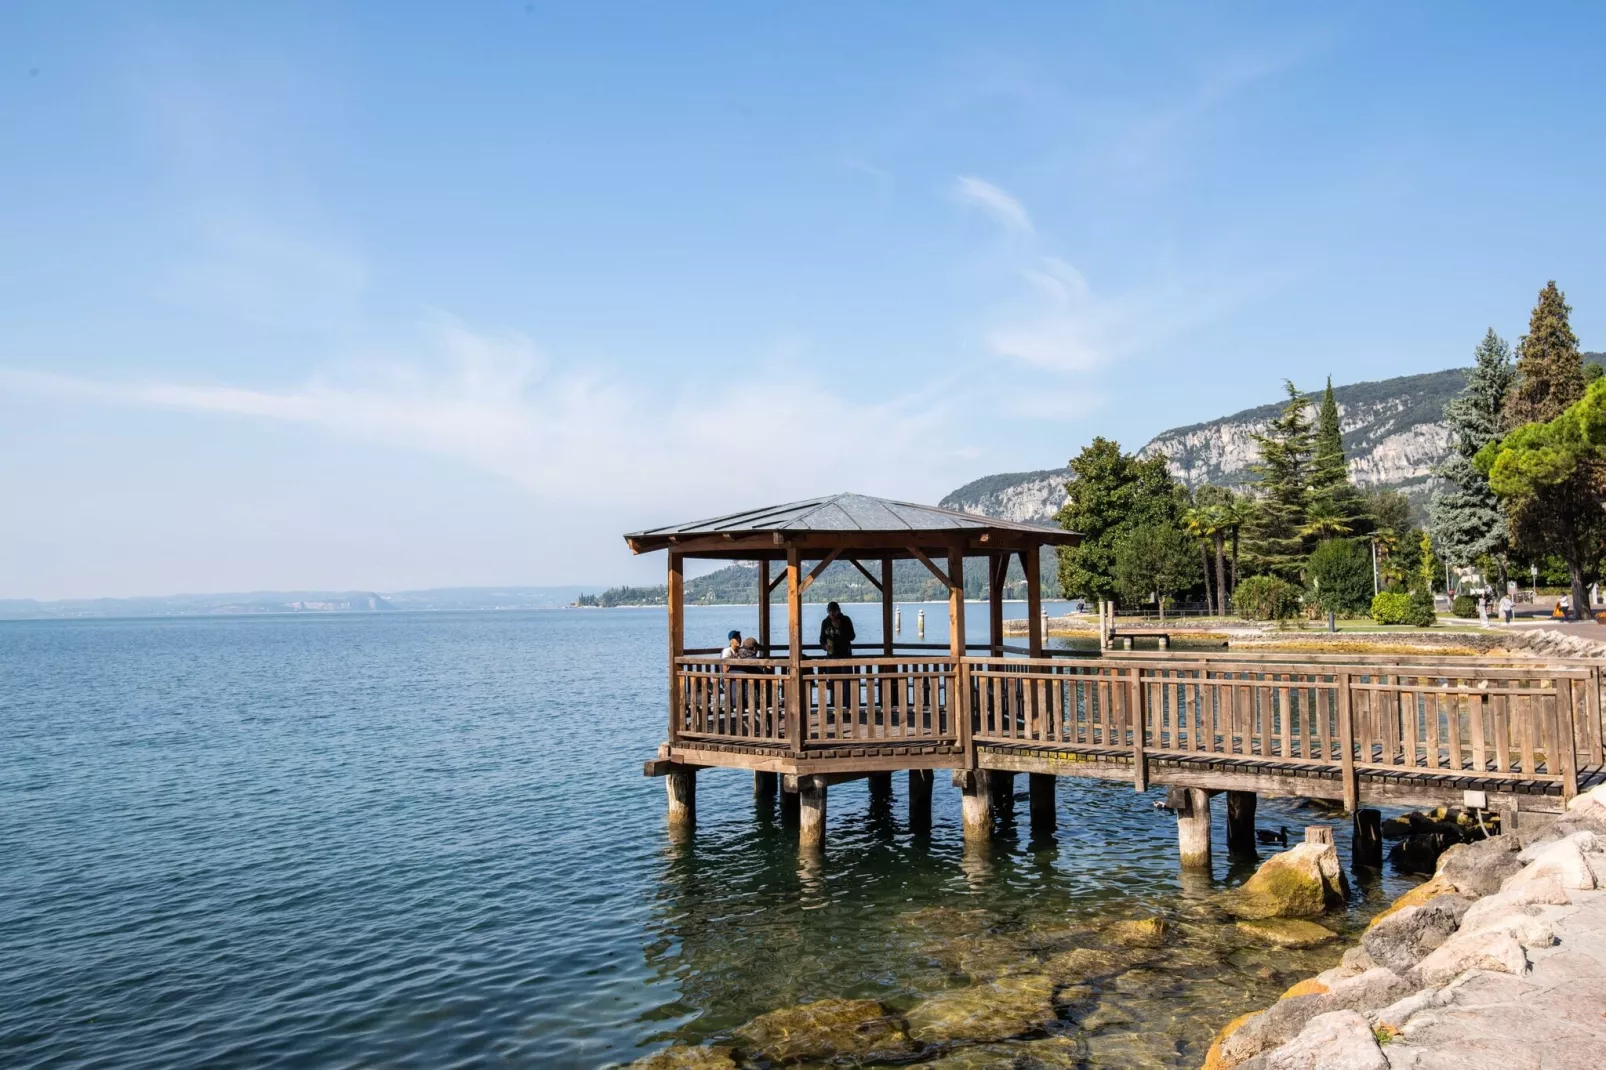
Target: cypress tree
(1276,545)
(1329,469)
(1550,368)
(1466,518)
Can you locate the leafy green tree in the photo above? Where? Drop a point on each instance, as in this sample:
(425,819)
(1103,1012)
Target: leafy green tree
(1276,543)
(1549,477)
(1109,494)
(1465,514)
(1155,560)
(1340,572)
(1550,368)
(1429,567)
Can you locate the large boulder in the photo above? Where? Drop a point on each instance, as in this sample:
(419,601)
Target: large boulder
(1285,1019)
(996,1010)
(1340,1040)
(1489,949)
(828,1029)
(1563,860)
(1303,881)
(1407,936)
(1480,867)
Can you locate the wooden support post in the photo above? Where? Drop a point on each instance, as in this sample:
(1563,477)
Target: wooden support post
(764,785)
(1193,830)
(1346,744)
(1003,790)
(811,813)
(959,683)
(976,803)
(1319,834)
(1032,565)
(1041,786)
(789,802)
(676,597)
(1138,704)
(920,800)
(1366,849)
(997,569)
(1241,823)
(764,606)
(681,785)
(880,787)
(797,707)
(886,606)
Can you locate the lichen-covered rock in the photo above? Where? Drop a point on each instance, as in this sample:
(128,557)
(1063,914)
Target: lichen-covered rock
(1479,868)
(1310,986)
(1300,882)
(1415,898)
(1340,1040)
(995,1010)
(1407,936)
(683,1057)
(1214,1060)
(827,1029)
(1146,932)
(1286,932)
(1487,950)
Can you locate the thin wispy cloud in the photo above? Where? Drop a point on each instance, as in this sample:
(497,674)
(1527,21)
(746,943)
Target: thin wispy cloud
(995,202)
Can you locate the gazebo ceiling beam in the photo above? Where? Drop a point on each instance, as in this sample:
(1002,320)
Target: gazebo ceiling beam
(942,577)
(873,581)
(821,567)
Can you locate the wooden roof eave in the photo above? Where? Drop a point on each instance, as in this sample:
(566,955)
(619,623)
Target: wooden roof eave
(772,545)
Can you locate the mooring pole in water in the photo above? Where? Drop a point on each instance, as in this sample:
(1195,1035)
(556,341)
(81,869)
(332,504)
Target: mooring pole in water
(681,785)
(811,813)
(897,621)
(976,803)
(920,624)
(1241,823)
(920,800)
(880,787)
(1041,786)
(1193,829)
(1367,847)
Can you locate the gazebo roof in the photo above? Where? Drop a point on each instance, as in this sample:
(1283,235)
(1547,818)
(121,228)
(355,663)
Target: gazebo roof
(847,522)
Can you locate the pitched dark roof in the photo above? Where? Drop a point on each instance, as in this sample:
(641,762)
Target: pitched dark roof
(848,513)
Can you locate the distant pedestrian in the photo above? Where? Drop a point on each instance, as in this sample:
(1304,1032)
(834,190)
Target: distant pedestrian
(1505,608)
(1483,608)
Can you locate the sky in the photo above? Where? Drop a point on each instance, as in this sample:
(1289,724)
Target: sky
(386,296)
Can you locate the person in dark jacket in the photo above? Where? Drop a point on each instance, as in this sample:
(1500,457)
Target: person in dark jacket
(836,632)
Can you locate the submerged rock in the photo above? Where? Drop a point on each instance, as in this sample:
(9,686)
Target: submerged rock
(1300,882)
(1132,1051)
(683,1057)
(1049,1053)
(995,1010)
(1085,964)
(827,1029)
(1286,932)
(1147,932)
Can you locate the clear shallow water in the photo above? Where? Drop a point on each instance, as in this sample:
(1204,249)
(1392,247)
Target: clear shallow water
(424,840)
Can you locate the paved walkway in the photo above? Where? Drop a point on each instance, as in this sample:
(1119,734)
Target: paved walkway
(1551,1018)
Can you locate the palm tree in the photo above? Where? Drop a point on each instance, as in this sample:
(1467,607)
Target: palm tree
(1220,524)
(1236,514)
(1324,521)
(1200,523)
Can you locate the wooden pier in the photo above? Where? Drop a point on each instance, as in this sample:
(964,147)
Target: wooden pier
(1512,736)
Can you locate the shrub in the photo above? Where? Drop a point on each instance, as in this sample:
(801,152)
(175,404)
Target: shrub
(1266,598)
(1392,607)
(1340,571)
(1464,606)
(1422,612)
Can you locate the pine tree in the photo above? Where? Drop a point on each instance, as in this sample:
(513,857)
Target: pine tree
(1550,368)
(1329,470)
(1276,545)
(1466,519)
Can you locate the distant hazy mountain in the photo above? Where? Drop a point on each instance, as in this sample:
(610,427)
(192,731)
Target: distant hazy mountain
(197,605)
(1394,434)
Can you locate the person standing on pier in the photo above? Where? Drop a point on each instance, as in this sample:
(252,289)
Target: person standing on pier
(836,632)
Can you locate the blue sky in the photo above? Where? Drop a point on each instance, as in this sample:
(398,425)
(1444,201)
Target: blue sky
(387,295)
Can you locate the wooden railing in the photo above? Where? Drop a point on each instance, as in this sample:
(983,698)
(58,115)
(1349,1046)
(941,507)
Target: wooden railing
(748,704)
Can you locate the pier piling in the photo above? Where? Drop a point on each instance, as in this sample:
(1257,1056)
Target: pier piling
(1241,823)
(681,785)
(976,804)
(1041,786)
(789,803)
(764,785)
(1367,847)
(1193,829)
(920,800)
(1002,786)
(811,813)
(880,787)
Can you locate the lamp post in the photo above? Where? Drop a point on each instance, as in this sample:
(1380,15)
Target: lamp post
(1533,571)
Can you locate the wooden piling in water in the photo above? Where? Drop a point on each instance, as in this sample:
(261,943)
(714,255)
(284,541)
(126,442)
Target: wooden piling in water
(1002,787)
(765,785)
(1241,822)
(789,803)
(976,803)
(880,787)
(920,800)
(1367,847)
(811,813)
(1193,829)
(1041,787)
(680,784)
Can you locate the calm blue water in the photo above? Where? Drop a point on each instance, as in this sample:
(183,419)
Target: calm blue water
(424,841)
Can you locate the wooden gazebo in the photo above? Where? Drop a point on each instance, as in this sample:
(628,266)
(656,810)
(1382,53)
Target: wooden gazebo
(817,718)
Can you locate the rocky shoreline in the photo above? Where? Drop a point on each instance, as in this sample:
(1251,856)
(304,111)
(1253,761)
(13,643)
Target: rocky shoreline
(1498,961)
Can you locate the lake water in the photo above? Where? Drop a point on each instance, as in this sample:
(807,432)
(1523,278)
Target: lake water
(425,841)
